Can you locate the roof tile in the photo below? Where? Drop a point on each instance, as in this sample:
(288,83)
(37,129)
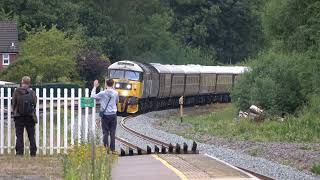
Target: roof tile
(9,37)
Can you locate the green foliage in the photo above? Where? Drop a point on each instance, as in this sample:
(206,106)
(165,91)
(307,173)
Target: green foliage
(284,77)
(91,65)
(33,14)
(303,128)
(52,54)
(86,162)
(230,30)
(176,32)
(294,22)
(272,84)
(316,169)
(20,68)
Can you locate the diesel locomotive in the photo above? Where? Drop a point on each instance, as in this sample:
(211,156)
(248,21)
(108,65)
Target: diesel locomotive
(151,86)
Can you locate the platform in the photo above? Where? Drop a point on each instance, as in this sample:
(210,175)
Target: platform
(141,167)
(175,167)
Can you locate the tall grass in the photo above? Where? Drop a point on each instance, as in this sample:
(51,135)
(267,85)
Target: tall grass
(88,162)
(305,127)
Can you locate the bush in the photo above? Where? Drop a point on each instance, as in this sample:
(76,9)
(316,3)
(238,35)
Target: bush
(18,69)
(273,84)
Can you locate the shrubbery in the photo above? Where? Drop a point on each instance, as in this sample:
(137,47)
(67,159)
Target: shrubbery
(278,82)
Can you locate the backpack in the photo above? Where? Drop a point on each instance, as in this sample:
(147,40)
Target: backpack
(25,104)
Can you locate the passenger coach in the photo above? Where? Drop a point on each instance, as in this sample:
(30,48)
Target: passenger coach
(144,87)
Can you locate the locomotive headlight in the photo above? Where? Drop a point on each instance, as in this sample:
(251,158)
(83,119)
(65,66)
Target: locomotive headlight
(117,85)
(128,86)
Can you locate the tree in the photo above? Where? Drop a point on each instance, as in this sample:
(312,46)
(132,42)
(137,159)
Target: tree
(20,68)
(229,29)
(293,23)
(91,65)
(34,14)
(52,54)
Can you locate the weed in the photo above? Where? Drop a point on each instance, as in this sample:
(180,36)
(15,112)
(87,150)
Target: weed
(255,152)
(316,169)
(88,163)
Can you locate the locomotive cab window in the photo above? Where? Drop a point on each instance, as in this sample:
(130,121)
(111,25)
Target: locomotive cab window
(116,74)
(122,74)
(132,75)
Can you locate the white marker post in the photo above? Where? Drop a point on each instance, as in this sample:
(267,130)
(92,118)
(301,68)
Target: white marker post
(181,108)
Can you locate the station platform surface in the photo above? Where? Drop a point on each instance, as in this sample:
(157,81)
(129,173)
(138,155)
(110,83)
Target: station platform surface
(175,167)
(141,167)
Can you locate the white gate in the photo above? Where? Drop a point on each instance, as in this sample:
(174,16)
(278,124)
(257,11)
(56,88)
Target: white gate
(51,136)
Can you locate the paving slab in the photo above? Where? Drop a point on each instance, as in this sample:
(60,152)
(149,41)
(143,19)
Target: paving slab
(142,167)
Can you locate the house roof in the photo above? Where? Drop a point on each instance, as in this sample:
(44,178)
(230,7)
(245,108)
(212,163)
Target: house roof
(9,37)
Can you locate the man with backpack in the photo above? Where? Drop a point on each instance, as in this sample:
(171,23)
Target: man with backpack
(108,112)
(24,102)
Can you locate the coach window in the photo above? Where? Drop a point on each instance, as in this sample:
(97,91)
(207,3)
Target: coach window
(5,59)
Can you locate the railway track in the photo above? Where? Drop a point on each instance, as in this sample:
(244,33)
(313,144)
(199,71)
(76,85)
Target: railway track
(162,144)
(140,135)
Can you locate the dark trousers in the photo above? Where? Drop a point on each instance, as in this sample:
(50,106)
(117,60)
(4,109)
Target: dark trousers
(109,126)
(20,124)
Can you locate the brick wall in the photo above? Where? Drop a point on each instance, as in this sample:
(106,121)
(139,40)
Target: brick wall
(12,56)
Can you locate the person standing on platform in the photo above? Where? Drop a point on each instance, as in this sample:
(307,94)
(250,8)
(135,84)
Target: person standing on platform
(108,112)
(24,102)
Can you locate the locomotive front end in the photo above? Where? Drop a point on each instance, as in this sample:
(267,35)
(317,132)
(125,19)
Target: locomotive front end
(127,76)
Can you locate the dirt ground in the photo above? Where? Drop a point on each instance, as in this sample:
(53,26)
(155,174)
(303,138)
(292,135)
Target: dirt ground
(299,155)
(38,168)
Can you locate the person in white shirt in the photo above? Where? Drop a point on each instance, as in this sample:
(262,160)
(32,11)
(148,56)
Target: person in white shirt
(108,100)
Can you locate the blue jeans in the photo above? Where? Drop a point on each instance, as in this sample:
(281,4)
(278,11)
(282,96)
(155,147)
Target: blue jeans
(109,126)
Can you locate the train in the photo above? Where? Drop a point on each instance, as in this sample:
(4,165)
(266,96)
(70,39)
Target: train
(144,87)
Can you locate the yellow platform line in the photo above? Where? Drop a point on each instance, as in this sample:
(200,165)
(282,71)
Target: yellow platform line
(175,170)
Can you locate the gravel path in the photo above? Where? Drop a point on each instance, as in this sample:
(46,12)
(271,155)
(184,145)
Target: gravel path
(143,124)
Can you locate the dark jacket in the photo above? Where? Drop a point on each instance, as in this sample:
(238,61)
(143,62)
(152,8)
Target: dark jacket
(18,92)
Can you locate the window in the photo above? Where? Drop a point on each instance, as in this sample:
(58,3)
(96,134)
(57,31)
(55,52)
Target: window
(132,75)
(121,74)
(5,59)
(116,74)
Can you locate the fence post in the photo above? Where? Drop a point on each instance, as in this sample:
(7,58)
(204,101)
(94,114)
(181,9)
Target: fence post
(58,119)
(65,128)
(9,120)
(2,122)
(38,116)
(79,115)
(93,123)
(44,118)
(51,121)
(72,117)
(86,117)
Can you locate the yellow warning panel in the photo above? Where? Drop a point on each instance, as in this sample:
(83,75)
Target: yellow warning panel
(202,167)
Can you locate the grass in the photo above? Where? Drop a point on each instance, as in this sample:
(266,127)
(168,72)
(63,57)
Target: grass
(316,169)
(86,162)
(256,152)
(222,123)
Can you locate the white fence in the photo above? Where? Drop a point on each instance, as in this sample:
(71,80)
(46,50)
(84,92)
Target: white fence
(51,136)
